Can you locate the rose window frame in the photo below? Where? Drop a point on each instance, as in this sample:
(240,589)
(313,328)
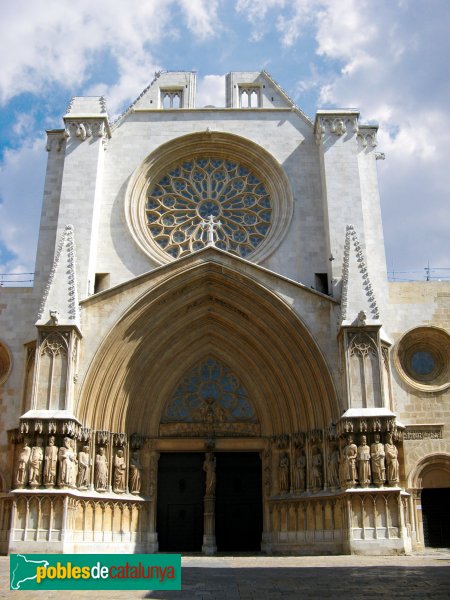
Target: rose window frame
(180,203)
(253,160)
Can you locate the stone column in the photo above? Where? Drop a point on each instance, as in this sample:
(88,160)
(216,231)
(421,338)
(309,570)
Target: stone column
(209,516)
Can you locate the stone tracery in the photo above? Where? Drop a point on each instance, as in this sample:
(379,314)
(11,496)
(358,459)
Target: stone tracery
(207,187)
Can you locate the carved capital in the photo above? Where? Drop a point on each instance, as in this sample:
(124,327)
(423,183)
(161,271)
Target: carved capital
(103,438)
(336,124)
(281,441)
(120,440)
(84,129)
(367,138)
(55,141)
(136,441)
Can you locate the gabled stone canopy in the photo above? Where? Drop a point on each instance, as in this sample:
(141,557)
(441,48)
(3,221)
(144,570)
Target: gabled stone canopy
(358,302)
(59,305)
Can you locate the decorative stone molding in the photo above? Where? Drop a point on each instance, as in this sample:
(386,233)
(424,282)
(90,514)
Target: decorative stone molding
(86,129)
(367,139)
(129,110)
(67,243)
(103,438)
(42,426)
(337,125)
(380,155)
(423,432)
(55,141)
(282,441)
(205,430)
(359,425)
(315,435)
(351,237)
(120,440)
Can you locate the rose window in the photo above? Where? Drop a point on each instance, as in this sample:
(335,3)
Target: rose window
(208,192)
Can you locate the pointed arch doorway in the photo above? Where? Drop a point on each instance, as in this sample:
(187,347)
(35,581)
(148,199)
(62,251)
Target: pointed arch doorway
(199,509)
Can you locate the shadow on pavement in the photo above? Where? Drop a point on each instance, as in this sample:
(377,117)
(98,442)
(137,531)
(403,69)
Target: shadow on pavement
(303,583)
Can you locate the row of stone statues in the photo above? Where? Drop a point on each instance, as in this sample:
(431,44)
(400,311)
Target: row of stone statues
(64,467)
(361,465)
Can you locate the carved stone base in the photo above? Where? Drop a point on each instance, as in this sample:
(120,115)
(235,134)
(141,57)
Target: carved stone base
(209,545)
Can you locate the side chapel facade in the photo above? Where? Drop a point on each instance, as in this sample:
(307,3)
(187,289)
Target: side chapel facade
(212,358)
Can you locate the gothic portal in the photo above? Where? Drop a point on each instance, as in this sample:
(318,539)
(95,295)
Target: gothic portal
(212,357)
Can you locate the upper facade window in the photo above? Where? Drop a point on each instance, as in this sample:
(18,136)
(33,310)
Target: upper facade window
(182,202)
(423,358)
(249,96)
(171,98)
(209,188)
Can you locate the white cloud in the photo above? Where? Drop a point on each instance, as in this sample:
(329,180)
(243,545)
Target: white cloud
(59,40)
(391,74)
(211,91)
(21,184)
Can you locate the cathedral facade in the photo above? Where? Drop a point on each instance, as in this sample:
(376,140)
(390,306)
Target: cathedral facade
(212,358)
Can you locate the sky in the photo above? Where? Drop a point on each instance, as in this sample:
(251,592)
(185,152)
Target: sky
(388,58)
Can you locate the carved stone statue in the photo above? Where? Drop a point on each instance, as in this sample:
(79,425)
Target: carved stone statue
(119,472)
(22,465)
(209,466)
(300,472)
(333,468)
(348,463)
(377,458)
(392,470)
(317,468)
(283,473)
(67,460)
(35,464)
(50,462)
(84,468)
(363,459)
(101,471)
(135,473)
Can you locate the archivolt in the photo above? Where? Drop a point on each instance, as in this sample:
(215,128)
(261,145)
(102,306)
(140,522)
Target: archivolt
(208,309)
(438,461)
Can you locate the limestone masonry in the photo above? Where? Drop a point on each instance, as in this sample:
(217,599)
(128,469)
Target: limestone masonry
(212,358)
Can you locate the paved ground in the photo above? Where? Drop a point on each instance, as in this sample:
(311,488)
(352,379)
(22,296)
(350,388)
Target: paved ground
(420,576)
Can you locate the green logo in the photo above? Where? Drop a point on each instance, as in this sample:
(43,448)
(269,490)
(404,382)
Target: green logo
(95,572)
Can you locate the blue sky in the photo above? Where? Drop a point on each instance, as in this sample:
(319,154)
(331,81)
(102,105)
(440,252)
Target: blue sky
(389,58)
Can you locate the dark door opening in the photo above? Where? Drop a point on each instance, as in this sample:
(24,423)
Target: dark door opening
(181,487)
(436,517)
(238,502)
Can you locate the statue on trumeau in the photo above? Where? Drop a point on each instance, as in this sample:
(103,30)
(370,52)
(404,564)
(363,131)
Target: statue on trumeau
(348,463)
(101,471)
(209,466)
(50,462)
(135,473)
(283,473)
(84,468)
(22,465)
(119,472)
(377,455)
(363,459)
(391,453)
(36,463)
